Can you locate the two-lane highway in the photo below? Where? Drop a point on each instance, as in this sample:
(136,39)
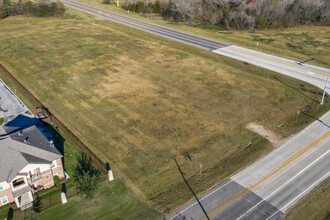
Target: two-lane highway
(273,184)
(313,74)
(145,26)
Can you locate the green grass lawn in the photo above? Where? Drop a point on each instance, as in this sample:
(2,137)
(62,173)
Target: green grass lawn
(314,206)
(299,43)
(138,100)
(113,200)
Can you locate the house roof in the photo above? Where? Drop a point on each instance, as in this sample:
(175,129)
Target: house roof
(21,143)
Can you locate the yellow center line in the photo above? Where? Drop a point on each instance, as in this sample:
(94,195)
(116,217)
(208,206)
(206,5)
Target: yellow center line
(284,164)
(144,24)
(281,62)
(193,38)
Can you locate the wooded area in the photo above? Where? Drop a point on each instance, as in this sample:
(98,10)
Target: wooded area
(29,8)
(237,14)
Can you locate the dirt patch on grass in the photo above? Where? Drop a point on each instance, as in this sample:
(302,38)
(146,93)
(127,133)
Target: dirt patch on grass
(137,100)
(273,137)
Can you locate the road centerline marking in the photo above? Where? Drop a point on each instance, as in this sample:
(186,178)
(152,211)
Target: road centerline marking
(303,170)
(164,29)
(294,157)
(145,24)
(280,62)
(284,164)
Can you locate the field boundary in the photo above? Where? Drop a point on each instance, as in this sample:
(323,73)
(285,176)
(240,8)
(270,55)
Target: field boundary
(97,161)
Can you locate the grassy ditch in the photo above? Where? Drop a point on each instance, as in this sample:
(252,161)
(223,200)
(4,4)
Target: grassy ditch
(315,205)
(138,101)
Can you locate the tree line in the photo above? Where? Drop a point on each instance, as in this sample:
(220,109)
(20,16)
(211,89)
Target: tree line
(237,14)
(43,8)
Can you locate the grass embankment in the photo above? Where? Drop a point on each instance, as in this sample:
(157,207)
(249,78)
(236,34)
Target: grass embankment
(298,43)
(315,206)
(137,100)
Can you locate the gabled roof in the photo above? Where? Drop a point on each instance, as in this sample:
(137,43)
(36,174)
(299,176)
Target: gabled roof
(21,143)
(33,159)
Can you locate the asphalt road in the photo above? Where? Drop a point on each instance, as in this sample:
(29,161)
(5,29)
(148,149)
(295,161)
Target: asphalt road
(313,74)
(273,184)
(269,187)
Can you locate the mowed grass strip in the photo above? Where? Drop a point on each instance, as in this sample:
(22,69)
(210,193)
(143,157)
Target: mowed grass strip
(138,100)
(315,206)
(113,200)
(310,43)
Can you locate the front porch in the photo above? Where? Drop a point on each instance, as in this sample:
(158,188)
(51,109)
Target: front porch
(23,197)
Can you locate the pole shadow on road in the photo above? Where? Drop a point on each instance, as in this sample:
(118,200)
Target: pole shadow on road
(182,174)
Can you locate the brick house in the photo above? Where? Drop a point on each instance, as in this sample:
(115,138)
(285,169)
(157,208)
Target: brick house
(28,160)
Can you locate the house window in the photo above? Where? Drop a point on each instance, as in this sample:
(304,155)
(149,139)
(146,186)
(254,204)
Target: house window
(53,164)
(18,182)
(4,200)
(1,186)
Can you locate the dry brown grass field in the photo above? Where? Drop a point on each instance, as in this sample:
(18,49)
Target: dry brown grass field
(310,43)
(138,100)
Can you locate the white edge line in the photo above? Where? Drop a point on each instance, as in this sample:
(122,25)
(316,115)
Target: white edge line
(278,149)
(303,170)
(201,199)
(312,186)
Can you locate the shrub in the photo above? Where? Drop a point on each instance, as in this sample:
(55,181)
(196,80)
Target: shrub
(86,176)
(106,2)
(41,9)
(37,205)
(138,7)
(261,23)
(56,181)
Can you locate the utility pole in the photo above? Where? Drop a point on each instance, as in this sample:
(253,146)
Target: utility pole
(118,3)
(325,89)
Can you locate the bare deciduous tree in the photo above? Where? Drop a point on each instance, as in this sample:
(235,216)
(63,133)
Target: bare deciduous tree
(239,13)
